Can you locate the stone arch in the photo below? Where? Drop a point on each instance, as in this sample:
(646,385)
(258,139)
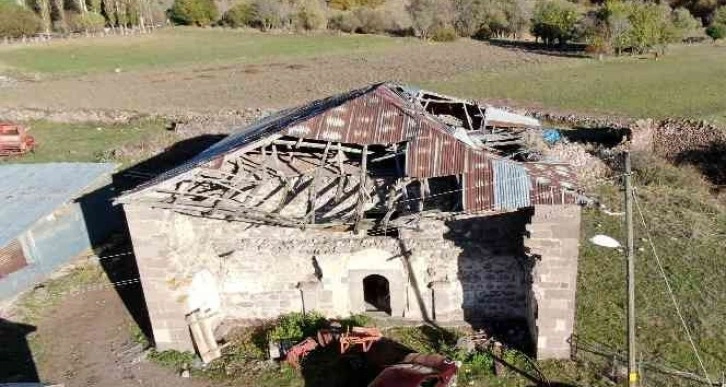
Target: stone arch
(373,265)
(377,294)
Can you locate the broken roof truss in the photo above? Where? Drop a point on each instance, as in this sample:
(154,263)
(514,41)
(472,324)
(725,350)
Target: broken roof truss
(373,158)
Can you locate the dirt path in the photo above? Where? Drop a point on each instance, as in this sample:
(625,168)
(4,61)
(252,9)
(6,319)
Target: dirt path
(85,341)
(272,84)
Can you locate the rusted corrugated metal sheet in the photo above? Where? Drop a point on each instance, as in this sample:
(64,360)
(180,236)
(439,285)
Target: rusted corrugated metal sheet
(435,153)
(552,183)
(372,118)
(477,182)
(12,258)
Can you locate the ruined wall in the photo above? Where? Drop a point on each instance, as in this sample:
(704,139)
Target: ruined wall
(465,269)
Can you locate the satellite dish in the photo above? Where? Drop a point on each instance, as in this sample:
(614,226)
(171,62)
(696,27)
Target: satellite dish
(605,241)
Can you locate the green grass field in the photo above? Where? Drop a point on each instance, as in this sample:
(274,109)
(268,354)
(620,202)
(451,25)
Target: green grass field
(689,82)
(90,142)
(177,47)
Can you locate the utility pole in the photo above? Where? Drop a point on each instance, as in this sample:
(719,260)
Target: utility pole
(632,366)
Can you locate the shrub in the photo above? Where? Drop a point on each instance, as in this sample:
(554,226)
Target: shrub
(554,20)
(356,320)
(444,34)
(86,22)
(716,31)
(194,12)
(344,21)
(241,14)
(172,359)
(372,21)
(17,21)
(310,15)
(296,326)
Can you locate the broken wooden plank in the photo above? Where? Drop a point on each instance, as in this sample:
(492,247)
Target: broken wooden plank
(342,178)
(313,193)
(359,211)
(314,145)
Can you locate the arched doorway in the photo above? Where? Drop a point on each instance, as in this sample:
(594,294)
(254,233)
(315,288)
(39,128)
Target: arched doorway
(377,294)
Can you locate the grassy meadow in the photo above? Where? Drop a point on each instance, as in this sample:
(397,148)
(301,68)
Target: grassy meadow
(92,142)
(179,46)
(689,81)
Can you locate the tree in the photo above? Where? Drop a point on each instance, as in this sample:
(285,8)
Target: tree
(310,15)
(491,18)
(651,26)
(269,14)
(684,23)
(430,14)
(616,15)
(86,22)
(241,14)
(194,12)
(554,20)
(347,5)
(719,16)
(17,21)
(42,8)
(716,31)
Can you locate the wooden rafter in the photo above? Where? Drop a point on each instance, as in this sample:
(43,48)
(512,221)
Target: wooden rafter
(362,191)
(313,193)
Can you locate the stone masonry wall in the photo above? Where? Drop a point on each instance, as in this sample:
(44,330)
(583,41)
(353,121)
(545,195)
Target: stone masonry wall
(465,269)
(554,239)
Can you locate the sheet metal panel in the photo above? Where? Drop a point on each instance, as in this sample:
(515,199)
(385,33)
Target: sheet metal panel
(512,185)
(372,118)
(435,153)
(29,192)
(552,183)
(478,192)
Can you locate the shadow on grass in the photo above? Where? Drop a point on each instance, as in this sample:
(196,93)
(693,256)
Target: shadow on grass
(709,160)
(569,50)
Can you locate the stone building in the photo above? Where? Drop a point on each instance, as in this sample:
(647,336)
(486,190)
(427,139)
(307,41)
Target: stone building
(386,200)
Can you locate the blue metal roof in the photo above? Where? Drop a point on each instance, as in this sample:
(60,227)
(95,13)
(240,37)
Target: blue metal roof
(30,191)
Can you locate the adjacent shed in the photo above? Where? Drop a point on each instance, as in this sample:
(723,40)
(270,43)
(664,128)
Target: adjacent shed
(50,213)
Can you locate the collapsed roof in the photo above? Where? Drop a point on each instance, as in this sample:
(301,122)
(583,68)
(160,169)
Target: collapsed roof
(374,157)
